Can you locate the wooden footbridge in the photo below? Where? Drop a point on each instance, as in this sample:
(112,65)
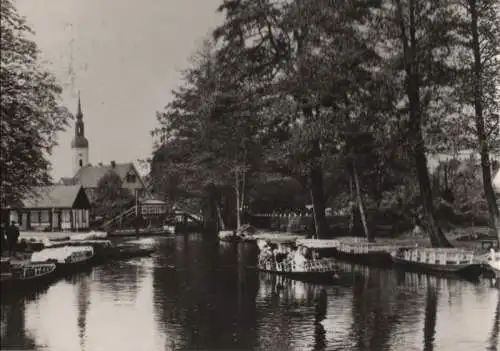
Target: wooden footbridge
(153,210)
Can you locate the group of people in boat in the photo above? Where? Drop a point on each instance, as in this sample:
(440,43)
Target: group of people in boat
(285,255)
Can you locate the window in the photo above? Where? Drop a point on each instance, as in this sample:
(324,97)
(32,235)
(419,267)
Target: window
(80,162)
(44,217)
(66,217)
(131,178)
(35,217)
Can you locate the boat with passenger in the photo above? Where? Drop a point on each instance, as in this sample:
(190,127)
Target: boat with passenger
(24,274)
(295,262)
(438,260)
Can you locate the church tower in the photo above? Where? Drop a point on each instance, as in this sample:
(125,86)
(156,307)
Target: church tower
(80,144)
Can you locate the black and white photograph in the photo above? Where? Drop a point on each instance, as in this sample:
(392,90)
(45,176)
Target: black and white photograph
(240,175)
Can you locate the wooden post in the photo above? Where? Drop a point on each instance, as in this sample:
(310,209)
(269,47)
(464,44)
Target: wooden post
(51,219)
(72,226)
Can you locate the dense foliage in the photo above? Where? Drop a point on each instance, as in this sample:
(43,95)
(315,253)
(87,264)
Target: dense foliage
(334,104)
(30,110)
(111,198)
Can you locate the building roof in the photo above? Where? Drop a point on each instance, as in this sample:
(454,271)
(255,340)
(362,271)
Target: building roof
(89,176)
(55,196)
(80,141)
(67,181)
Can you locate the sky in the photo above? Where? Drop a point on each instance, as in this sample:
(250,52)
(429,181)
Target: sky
(125,57)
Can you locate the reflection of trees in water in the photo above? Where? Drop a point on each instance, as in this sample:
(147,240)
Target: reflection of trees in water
(320,315)
(375,309)
(295,308)
(381,302)
(118,279)
(495,331)
(83,303)
(13,320)
(385,299)
(431,302)
(204,296)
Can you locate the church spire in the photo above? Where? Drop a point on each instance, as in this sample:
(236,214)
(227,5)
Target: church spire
(80,144)
(79,113)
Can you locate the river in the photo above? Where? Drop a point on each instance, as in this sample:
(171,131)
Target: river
(194,294)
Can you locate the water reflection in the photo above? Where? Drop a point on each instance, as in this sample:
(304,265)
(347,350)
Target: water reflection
(198,294)
(430,318)
(13,332)
(495,331)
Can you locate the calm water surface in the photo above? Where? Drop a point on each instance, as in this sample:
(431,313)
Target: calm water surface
(198,295)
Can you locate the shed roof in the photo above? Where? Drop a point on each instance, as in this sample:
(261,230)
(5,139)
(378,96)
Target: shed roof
(54,196)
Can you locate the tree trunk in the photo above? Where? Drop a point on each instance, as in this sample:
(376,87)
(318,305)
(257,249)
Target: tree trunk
(481,132)
(318,199)
(359,200)
(430,317)
(212,216)
(436,236)
(237,189)
(351,205)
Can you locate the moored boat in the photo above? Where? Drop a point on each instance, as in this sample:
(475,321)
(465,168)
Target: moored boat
(68,259)
(25,274)
(126,251)
(438,260)
(102,248)
(324,247)
(319,271)
(363,252)
(295,262)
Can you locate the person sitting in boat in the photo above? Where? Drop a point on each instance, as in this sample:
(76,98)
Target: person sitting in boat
(280,255)
(266,255)
(299,260)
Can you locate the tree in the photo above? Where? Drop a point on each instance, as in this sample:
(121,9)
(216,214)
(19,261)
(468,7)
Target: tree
(111,197)
(417,40)
(311,56)
(481,32)
(30,109)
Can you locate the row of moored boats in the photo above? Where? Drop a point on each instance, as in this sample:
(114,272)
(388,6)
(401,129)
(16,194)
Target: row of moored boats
(57,258)
(314,259)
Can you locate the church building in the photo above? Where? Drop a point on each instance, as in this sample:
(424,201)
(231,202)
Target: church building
(88,175)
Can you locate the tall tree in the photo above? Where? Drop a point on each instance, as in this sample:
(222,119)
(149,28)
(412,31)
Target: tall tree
(481,31)
(30,109)
(310,54)
(111,196)
(417,43)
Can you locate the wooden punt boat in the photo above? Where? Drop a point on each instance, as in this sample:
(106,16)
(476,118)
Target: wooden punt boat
(438,260)
(318,271)
(324,247)
(126,251)
(103,248)
(25,274)
(68,259)
(363,252)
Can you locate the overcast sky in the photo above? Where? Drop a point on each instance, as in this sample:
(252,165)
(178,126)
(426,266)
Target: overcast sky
(125,57)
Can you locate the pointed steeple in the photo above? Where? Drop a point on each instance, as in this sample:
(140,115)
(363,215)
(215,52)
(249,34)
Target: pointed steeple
(79,113)
(79,141)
